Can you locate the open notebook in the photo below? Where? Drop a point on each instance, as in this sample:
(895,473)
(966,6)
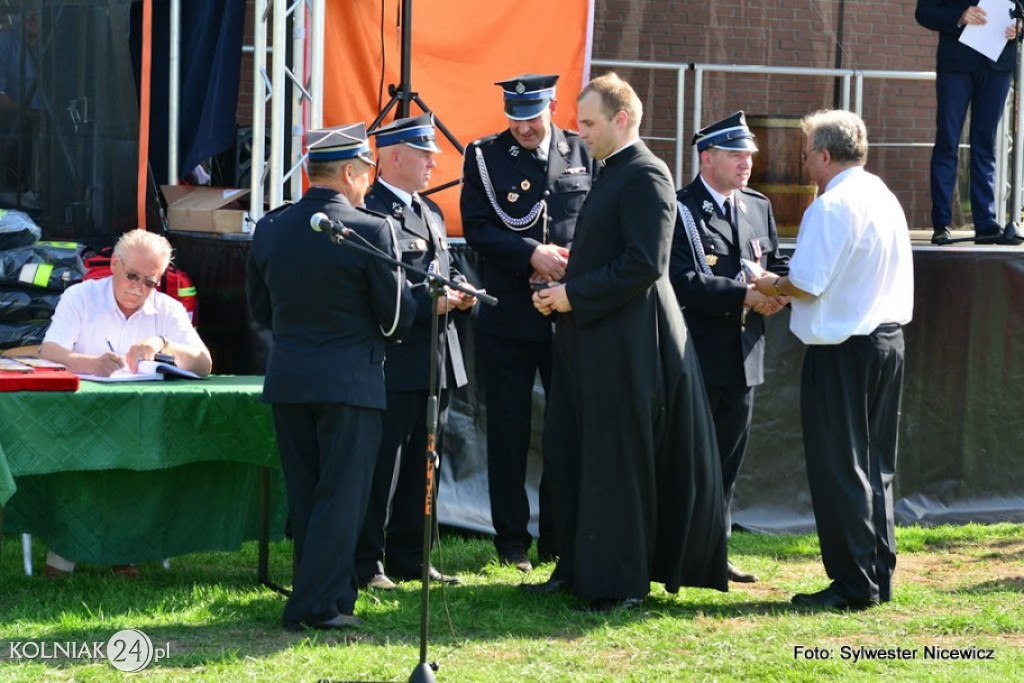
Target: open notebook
(148,370)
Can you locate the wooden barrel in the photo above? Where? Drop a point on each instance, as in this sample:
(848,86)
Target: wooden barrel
(779,171)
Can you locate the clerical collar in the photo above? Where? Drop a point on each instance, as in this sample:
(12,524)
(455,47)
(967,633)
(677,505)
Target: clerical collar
(716,195)
(401,194)
(628,144)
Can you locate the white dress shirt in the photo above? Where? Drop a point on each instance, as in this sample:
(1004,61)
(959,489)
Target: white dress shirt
(853,254)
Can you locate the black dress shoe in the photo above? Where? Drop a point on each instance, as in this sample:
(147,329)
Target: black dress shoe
(550,586)
(337,623)
(379,582)
(737,575)
(829,599)
(516,558)
(942,236)
(606,605)
(434,575)
(997,237)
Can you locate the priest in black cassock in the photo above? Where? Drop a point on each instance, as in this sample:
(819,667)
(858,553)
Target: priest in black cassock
(629,441)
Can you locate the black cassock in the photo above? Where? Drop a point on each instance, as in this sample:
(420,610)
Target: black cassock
(629,441)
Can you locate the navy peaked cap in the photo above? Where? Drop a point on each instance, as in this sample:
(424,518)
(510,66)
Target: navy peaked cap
(415,131)
(729,133)
(527,95)
(338,143)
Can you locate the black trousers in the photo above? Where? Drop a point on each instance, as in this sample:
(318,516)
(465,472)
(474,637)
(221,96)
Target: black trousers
(850,408)
(327,454)
(393,529)
(509,368)
(733,409)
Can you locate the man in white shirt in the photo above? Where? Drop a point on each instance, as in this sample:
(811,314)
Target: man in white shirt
(851,282)
(102,326)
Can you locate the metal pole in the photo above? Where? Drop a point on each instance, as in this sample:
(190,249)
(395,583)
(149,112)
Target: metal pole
(174,94)
(259,109)
(278,85)
(298,16)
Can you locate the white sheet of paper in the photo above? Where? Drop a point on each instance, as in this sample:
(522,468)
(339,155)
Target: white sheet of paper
(990,38)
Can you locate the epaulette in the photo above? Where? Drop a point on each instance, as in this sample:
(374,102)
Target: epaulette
(479,142)
(753,193)
(286,205)
(371,212)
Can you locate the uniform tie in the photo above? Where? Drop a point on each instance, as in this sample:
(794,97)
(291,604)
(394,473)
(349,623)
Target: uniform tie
(730,215)
(417,206)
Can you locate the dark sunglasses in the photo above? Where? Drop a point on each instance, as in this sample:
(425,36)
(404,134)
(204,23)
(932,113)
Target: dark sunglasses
(132,276)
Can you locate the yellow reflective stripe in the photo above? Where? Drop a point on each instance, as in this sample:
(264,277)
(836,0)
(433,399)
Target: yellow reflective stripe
(59,245)
(187,291)
(41,277)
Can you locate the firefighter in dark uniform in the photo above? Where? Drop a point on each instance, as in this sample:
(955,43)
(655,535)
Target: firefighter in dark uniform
(725,232)
(331,311)
(523,188)
(392,533)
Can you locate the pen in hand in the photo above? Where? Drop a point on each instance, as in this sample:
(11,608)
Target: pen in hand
(110,346)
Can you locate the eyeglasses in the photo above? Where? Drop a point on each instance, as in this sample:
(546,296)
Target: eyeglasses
(132,276)
(803,154)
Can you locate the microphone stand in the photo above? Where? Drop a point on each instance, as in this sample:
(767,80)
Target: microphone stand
(436,284)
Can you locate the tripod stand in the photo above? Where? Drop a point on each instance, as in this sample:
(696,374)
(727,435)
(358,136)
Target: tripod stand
(402,93)
(436,285)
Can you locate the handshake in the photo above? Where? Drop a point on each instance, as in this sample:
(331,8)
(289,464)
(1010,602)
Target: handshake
(763,295)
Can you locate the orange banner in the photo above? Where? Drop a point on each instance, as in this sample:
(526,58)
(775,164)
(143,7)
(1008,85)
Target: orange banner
(459,49)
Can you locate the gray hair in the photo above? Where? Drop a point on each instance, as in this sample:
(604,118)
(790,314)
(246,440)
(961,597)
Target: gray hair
(841,133)
(144,241)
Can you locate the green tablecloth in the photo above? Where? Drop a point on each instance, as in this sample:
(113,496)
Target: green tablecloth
(134,472)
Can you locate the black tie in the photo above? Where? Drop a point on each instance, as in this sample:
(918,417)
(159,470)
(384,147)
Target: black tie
(417,206)
(730,216)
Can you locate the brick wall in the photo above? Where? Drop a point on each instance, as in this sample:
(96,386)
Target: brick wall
(789,33)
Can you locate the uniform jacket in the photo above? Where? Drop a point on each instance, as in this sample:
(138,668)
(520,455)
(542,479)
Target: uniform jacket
(329,308)
(730,348)
(952,55)
(420,242)
(518,183)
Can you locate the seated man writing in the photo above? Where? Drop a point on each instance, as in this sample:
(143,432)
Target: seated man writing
(101,326)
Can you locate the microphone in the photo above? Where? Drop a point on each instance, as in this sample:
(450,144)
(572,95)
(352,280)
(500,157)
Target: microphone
(321,223)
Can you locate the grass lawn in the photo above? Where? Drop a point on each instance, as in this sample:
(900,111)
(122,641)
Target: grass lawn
(958,593)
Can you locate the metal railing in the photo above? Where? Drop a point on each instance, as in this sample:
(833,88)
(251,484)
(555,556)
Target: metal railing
(851,97)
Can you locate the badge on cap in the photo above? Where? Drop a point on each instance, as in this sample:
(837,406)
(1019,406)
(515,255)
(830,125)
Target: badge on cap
(525,186)
(520,87)
(513,197)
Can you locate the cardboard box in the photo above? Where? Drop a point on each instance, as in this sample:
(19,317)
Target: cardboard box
(207,209)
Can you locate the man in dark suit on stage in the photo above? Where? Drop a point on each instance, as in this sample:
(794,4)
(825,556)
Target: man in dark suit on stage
(331,310)
(964,79)
(629,442)
(522,190)
(393,529)
(721,223)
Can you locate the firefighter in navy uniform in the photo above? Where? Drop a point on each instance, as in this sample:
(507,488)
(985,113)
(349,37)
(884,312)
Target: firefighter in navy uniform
(523,188)
(720,221)
(331,311)
(392,533)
